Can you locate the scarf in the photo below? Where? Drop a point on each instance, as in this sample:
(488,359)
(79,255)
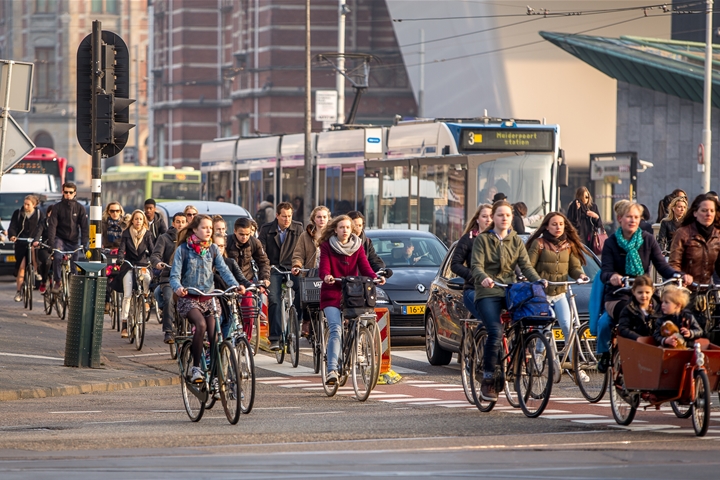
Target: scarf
(633,264)
(706,232)
(353,245)
(198,246)
(137,236)
(114,230)
(553,239)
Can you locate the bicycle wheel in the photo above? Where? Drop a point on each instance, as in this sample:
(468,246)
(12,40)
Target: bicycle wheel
(363,363)
(375,330)
(117,306)
(622,403)
(246,373)
(293,338)
(534,374)
(330,390)
(140,318)
(60,305)
(30,273)
(194,395)
(476,373)
(280,354)
(176,333)
(701,406)
(131,320)
(467,351)
(315,343)
(509,387)
(154,308)
(255,339)
(48,302)
(590,381)
(229,382)
(24,292)
(681,411)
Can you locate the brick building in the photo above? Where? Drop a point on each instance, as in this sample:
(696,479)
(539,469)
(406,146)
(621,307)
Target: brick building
(222,68)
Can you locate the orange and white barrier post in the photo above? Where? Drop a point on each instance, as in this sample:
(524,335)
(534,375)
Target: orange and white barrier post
(387,375)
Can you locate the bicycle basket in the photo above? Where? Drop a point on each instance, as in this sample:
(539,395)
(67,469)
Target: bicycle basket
(249,308)
(310,289)
(528,303)
(359,296)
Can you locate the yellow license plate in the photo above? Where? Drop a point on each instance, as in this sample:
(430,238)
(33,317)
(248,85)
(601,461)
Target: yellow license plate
(413,309)
(10,258)
(558,334)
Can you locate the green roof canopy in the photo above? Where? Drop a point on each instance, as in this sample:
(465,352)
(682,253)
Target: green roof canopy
(668,66)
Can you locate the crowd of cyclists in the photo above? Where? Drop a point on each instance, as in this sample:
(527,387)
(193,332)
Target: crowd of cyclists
(198,251)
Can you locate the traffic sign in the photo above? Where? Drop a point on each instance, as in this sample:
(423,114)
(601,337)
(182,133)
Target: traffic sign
(17,145)
(20,84)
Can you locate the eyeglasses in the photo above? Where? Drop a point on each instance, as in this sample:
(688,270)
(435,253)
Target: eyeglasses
(114,211)
(68,192)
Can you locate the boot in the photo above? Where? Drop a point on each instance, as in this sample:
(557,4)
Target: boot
(124,332)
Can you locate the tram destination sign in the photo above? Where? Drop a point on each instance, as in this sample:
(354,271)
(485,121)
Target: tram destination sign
(507,139)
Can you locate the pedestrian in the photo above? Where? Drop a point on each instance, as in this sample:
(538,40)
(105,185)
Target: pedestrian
(113,224)
(155,220)
(219,226)
(645,224)
(26,222)
(665,203)
(192,266)
(266,211)
(517,221)
(460,264)
(583,214)
(376,263)
(669,225)
(219,198)
(68,227)
(220,241)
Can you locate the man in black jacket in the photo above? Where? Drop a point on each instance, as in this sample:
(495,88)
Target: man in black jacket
(160,259)
(68,224)
(376,263)
(246,250)
(156,221)
(278,239)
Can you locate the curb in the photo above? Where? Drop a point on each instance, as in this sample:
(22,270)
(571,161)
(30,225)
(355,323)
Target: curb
(20,394)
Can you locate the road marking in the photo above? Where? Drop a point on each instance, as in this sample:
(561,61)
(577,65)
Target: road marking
(275,408)
(41,357)
(570,416)
(143,355)
(269,363)
(437,385)
(454,389)
(415,355)
(83,411)
(374,395)
(408,371)
(320,413)
(439,402)
(167,411)
(407,400)
(412,382)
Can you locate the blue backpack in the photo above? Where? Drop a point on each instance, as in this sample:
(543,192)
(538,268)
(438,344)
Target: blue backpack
(596,306)
(527,300)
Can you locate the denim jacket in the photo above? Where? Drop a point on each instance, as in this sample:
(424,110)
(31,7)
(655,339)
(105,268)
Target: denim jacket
(192,270)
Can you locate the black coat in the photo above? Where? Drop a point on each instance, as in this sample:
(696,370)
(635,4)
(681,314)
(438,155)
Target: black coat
(23,227)
(633,323)
(158,227)
(666,234)
(69,222)
(163,252)
(577,214)
(127,251)
(461,260)
(376,263)
(279,254)
(236,272)
(246,254)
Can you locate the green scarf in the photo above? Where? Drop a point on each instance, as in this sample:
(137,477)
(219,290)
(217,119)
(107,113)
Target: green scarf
(633,264)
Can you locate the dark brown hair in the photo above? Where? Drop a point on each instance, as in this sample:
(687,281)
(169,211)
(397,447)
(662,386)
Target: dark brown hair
(284,206)
(689,217)
(580,193)
(576,246)
(643,281)
(188,230)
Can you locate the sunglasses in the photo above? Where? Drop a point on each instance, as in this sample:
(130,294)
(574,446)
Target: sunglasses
(190,214)
(114,211)
(68,192)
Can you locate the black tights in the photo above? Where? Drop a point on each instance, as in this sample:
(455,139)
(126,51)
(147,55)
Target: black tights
(202,324)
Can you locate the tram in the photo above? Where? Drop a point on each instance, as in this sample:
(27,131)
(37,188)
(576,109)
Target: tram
(431,175)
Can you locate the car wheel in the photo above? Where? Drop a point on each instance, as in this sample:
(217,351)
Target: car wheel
(435,353)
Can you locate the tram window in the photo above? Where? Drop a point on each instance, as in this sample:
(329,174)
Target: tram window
(256,191)
(442,201)
(268,187)
(243,194)
(293,190)
(332,185)
(348,198)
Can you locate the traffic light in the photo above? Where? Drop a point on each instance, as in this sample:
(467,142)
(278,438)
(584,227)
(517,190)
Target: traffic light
(112,116)
(70,174)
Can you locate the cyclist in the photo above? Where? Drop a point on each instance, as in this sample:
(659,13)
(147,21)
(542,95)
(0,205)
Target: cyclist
(43,253)
(25,223)
(306,250)
(113,224)
(495,254)
(376,263)
(341,255)
(219,225)
(278,239)
(696,248)
(462,256)
(160,259)
(638,318)
(629,252)
(192,266)
(673,221)
(136,245)
(156,223)
(245,249)
(68,225)
(220,241)
(556,251)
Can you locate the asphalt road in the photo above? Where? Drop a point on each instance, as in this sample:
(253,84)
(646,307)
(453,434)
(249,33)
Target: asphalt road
(421,427)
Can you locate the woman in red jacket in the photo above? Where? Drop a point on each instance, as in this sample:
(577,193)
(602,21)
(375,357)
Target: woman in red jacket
(341,255)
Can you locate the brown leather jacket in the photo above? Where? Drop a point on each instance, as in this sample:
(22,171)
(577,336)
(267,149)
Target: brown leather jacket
(692,254)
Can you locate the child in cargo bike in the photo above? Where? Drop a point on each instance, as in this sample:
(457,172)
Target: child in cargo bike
(638,317)
(674,301)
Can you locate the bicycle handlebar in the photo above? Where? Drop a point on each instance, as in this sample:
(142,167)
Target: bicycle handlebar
(281,272)
(136,266)
(335,279)
(565,284)
(68,252)
(212,293)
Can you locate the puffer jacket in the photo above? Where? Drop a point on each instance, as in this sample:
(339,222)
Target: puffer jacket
(497,259)
(683,319)
(305,253)
(554,263)
(694,255)
(633,323)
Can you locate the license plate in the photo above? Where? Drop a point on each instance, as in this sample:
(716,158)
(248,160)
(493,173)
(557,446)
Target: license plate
(558,334)
(10,259)
(413,309)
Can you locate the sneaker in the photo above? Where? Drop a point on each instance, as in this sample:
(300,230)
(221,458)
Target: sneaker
(332,378)
(275,345)
(38,277)
(169,339)
(18,297)
(216,389)
(604,362)
(107,308)
(42,288)
(583,377)
(124,332)
(196,375)
(487,390)
(56,287)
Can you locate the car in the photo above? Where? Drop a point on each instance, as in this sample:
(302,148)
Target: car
(445,309)
(405,294)
(229,211)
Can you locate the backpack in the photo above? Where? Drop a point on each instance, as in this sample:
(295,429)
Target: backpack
(359,296)
(527,300)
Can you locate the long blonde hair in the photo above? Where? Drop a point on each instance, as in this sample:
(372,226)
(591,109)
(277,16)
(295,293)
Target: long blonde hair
(472,223)
(106,213)
(671,212)
(146,225)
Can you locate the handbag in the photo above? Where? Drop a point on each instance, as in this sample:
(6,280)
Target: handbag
(598,241)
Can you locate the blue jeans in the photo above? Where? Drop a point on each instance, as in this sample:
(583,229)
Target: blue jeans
(275,304)
(604,333)
(469,302)
(562,314)
(489,310)
(334,319)
(64,246)
(164,297)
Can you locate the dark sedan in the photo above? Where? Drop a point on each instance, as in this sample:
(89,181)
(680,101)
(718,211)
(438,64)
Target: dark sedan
(445,309)
(414,258)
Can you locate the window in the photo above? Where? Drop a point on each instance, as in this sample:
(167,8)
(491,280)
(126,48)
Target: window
(96,6)
(44,139)
(45,6)
(44,72)
(111,6)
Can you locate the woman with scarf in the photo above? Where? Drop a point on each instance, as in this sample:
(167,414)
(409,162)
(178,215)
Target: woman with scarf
(627,253)
(25,223)
(341,255)
(113,224)
(556,252)
(583,214)
(696,248)
(462,256)
(192,266)
(136,245)
(669,225)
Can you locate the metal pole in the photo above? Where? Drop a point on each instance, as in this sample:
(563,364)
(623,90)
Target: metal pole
(137,108)
(421,89)
(95,202)
(5,118)
(707,99)
(339,79)
(308,115)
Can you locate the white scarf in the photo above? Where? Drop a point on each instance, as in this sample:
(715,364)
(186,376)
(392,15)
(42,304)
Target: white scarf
(353,245)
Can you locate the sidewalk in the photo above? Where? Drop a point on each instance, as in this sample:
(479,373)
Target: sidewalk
(32,349)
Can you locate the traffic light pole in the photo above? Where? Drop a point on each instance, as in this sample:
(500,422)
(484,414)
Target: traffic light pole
(95,183)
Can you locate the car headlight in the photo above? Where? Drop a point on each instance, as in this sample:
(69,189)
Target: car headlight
(382,297)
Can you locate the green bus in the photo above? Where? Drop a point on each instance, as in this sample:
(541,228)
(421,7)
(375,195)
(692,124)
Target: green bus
(132,185)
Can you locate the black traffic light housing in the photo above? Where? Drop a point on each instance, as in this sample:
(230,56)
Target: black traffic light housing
(112,114)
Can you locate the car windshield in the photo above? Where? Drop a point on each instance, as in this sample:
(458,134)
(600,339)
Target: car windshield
(9,202)
(403,251)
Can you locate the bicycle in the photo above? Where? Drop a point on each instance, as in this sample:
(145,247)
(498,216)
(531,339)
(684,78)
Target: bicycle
(290,327)
(467,354)
(61,299)
(356,357)
(582,346)
(220,377)
(28,283)
(525,362)
(139,311)
(310,302)
(242,318)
